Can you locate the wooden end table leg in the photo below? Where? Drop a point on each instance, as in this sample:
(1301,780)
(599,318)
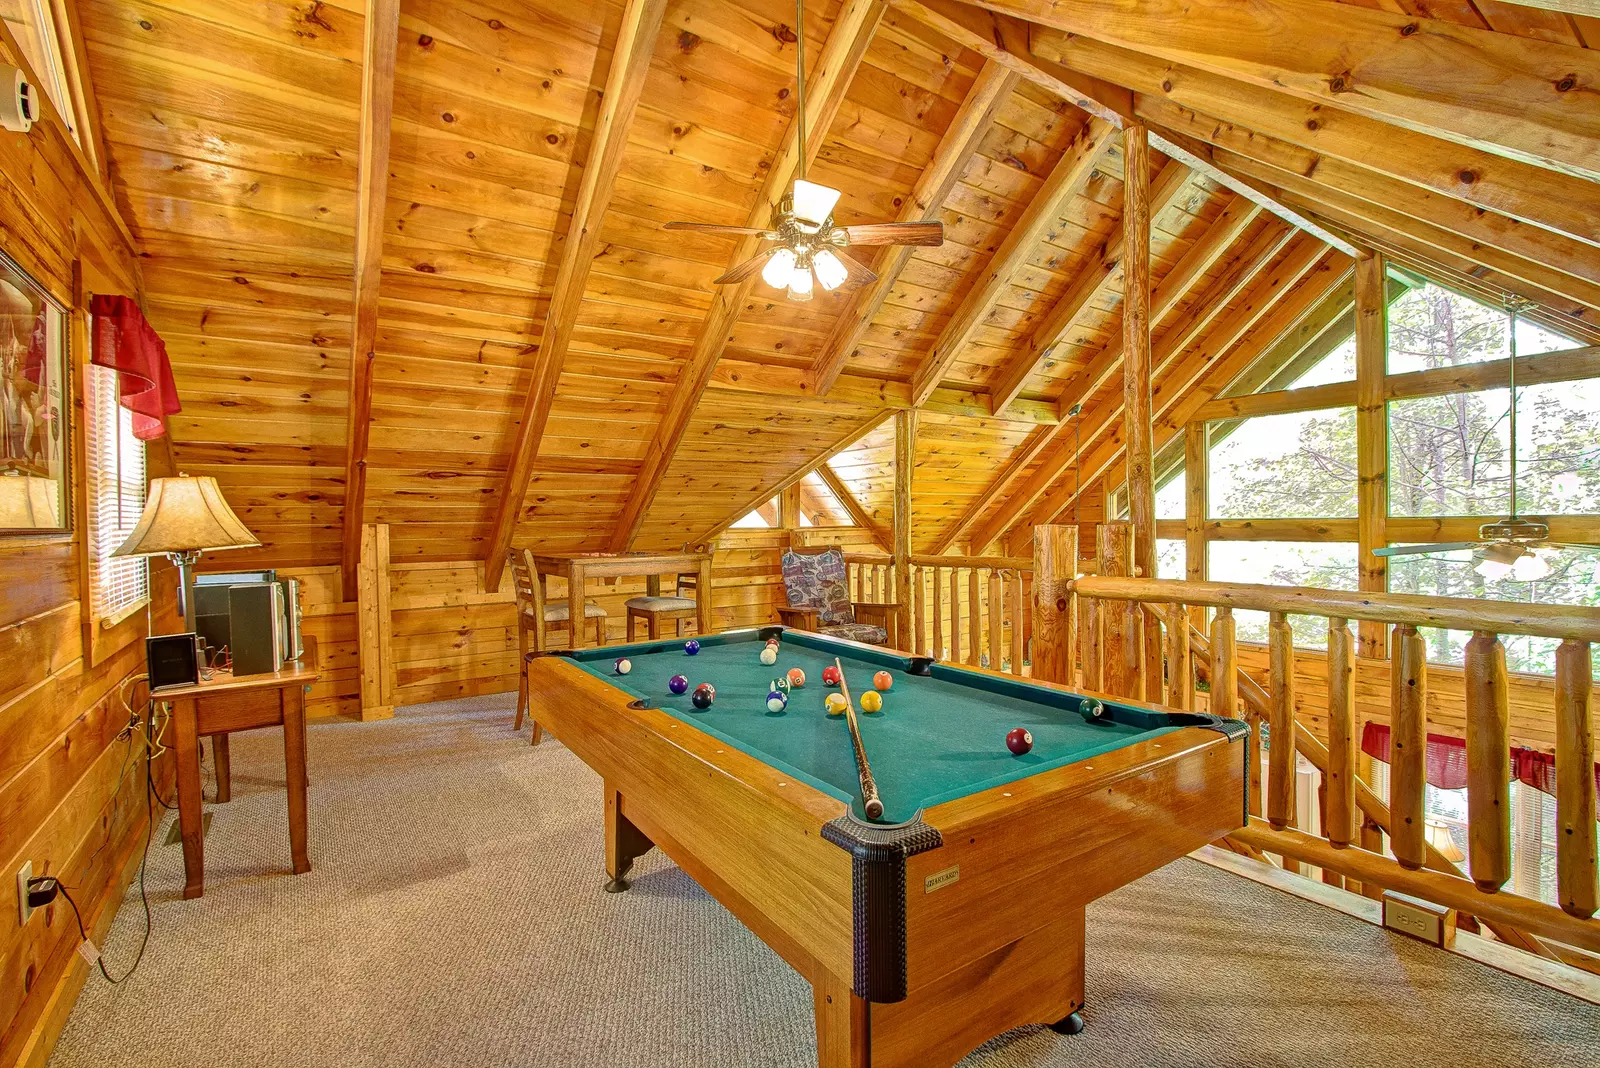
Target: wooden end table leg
(294,764)
(186,749)
(575,619)
(221,757)
(624,843)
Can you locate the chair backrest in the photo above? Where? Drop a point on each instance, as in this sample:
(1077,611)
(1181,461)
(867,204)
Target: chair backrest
(818,580)
(529,587)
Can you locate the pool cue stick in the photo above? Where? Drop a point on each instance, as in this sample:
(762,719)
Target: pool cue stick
(870,801)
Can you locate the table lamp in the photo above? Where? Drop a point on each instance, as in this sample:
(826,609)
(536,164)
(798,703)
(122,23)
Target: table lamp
(182,518)
(1439,837)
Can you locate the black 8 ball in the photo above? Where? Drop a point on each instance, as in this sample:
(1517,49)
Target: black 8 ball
(703,695)
(1019,740)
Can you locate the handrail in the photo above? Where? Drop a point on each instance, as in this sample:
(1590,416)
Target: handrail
(1456,613)
(996,563)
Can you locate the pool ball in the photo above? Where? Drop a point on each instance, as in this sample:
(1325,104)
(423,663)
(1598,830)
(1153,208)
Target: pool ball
(703,695)
(1019,740)
(1092,710)
(872,701)
(883,680)
(836,704)
(678,684)
(797,678)
(830,676)
(691,647)
(777,701)
(623,665)
(769,655)
(772,643)
(781,684)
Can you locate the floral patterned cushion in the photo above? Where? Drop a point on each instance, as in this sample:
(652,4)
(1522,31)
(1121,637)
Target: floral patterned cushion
(818,581)
(859,632)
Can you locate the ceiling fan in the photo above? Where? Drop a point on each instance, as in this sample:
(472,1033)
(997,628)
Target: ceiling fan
(1513,547)
(809,247)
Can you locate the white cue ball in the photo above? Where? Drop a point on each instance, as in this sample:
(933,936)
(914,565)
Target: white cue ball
(624,665)
(769,655)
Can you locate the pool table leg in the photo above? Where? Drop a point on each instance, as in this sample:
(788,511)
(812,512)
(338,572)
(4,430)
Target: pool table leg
(624,842)
(843,1039)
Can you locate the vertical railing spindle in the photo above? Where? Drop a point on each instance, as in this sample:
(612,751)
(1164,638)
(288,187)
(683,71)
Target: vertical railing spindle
(918,614)
(1488,761)
(1282,758)
(1408,700)
(1575,787)
(997,622)
(1019,629)
(1340,819)
(955,615)
(937,592)
(1180,683)
(974,618)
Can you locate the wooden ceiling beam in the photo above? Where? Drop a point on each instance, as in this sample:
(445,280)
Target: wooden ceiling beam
(858,514)
(853,434)
(829,82)
(382,34)
(1474,86)
(1103,270)
(961,139)
(630,65)
(1240,273)
(1067,179)
(1549,199)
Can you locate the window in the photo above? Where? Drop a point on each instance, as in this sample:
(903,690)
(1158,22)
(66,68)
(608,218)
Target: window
(115,481)
(33,26)
(1294,466)
(1325,565)
(1171,559)
(1449,455)
(1172,496)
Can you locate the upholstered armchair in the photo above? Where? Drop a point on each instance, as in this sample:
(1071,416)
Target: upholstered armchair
(819,600)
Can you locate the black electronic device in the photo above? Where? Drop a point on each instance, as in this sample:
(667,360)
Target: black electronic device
(255,630)
(172,660)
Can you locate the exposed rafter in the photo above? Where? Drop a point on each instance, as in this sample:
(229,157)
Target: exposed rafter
(382,29)
(1476,87)
(993,84)
(1067,179)
(825,91)
(858,515)
(630,63)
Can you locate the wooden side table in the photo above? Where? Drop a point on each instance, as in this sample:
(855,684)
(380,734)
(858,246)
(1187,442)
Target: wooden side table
(227,703)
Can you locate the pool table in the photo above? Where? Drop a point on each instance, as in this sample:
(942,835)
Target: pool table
(957,915)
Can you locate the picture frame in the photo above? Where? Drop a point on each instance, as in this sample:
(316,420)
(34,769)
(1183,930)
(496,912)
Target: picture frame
(35,408)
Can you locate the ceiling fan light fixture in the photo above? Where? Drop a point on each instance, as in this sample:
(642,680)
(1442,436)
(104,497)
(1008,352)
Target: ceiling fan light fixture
(800,282)
(830,271)
(1530,568)
(1492,570)
(813,203)
(779,269)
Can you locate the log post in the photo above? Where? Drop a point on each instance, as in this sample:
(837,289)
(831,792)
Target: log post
(905,458)
(1019,630)
(1488,762)
(918,613)
(1282,756)
(997,619)
(974,618)
(1195,462)
(955,615)
(1113,542)
(937,592)
(1372,436)
(1408,700)
(1340,818)
(1180,678)
(1575,787)
(1055,566)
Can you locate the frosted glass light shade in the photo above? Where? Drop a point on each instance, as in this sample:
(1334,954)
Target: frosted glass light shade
(182,515)
(800,283)
(813,203)
(779,269)
(1530,568)
(830,272)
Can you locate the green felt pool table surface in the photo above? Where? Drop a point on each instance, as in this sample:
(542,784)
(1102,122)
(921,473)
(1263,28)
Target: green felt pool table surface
(937,738)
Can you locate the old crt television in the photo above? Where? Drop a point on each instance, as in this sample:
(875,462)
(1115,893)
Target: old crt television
(214,608)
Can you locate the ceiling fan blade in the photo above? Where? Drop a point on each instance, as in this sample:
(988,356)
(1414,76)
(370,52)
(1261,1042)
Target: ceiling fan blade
(747,269)
(716,228)
(1418,550)
(859,275)
(927,234)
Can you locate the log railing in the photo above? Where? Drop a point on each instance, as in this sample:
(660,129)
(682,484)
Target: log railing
(964,609)
(1353,816)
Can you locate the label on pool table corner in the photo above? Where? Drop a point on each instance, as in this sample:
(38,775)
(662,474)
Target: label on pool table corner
(941,879)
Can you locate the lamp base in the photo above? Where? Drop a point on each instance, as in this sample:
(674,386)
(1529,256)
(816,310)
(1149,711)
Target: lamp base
(185,562)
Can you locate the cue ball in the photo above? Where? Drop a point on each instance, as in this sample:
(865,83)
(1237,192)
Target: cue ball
(623,665)
(883,680)
(1019,741)
(836,704)
(777,701)
(703,695)
(871,701)
(797,678)
(691,647)
(769,655)
(830,676)
(678,684)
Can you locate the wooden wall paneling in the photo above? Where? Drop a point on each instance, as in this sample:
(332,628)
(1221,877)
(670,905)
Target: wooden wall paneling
(376,623)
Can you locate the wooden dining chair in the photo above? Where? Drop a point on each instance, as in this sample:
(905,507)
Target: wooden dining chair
(536,618)
(654,608)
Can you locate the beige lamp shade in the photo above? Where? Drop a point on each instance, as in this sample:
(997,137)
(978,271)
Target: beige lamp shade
(1439,837)
(28,502)
(185,514)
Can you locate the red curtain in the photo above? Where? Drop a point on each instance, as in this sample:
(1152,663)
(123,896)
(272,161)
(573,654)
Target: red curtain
(1447,760)
(125,342)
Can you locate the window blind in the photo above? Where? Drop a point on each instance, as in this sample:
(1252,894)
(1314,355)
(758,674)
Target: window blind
(115,483)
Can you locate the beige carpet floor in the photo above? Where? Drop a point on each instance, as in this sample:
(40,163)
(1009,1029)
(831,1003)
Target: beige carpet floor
(454,917)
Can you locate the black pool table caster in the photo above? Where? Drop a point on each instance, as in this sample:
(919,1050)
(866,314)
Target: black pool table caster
(1071,1024)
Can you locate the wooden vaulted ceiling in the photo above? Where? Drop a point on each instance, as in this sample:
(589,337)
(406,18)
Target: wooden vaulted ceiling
(537,337)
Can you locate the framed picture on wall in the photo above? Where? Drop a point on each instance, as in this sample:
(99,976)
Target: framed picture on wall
(35,405)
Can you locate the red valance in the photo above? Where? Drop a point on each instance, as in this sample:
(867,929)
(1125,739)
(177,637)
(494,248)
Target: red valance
(1447,760)
(125,342)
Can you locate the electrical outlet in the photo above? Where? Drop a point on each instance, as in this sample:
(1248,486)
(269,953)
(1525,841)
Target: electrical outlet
(24,910)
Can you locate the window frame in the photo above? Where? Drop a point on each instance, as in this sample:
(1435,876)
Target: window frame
(99,619)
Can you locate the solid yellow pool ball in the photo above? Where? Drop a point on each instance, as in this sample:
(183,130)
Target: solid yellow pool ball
(872,701)
(836,704)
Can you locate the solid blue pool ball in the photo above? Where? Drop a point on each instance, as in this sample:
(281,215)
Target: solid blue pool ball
(777,701)
(623,665)
(678,684)
(691,646)
(703,695)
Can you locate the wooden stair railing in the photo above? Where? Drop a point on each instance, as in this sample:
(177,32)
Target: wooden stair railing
(1353,852)
(963,608)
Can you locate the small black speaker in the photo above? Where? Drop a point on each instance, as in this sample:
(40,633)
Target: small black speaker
(172,660)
